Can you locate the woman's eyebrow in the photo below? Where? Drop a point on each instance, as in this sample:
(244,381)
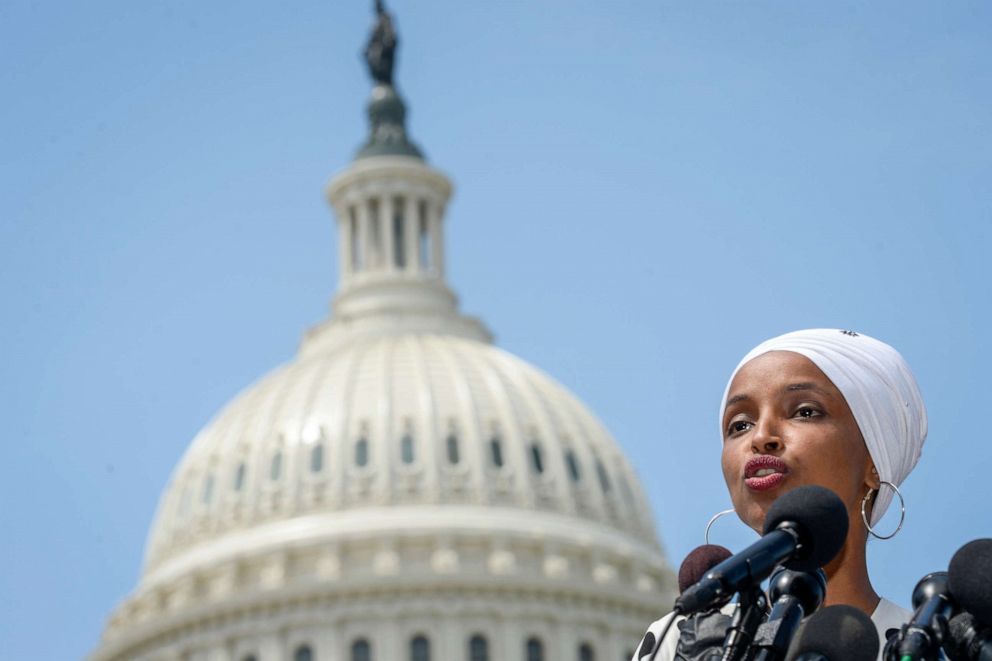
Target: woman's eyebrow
(735,399)
(803,386)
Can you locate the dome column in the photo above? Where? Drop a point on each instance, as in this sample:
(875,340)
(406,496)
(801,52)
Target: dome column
(362,246)
(435,212)
(410,224)
(387,222)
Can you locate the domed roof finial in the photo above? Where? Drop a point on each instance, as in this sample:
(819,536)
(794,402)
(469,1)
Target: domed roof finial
(381,50)
(386,110)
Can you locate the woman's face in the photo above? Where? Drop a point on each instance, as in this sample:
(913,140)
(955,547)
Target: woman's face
(786,425)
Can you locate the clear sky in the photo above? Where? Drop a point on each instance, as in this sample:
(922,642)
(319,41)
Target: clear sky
(645,190)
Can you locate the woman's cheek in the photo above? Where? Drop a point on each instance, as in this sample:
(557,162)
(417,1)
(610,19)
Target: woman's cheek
(726,463)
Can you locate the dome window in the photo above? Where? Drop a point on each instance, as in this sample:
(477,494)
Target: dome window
(496,452)
(453,454)
(275,467)
(535,649)
(536,458)
(478,648)
(406,449)
(239,477)
(573,466)
(361,650)
(317,458)
(208,489)
(604,478)
(420,649)
(399,234)
(586,653)
(362,452)
(303,653)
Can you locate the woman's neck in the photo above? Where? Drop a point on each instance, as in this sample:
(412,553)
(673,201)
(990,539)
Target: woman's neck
(847,577)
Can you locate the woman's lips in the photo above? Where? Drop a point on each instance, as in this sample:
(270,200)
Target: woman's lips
(764,472)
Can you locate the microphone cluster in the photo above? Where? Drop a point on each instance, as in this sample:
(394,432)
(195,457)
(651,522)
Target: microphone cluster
(804,530)
(953,611)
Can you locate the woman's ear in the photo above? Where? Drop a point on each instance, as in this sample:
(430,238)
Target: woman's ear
(872,484)
(871,477)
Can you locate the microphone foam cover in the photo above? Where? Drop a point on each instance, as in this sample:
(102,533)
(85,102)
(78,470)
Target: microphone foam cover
(820,518)
(840,633)
(699,561)
(969,576)
(961,634)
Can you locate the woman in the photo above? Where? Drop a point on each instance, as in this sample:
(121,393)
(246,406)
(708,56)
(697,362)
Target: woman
(827,407)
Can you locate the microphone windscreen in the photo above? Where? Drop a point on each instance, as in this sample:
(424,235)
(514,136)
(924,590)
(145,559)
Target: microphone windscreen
(821,520)
(699,561)
(969,576)
(961,633)
(840,633)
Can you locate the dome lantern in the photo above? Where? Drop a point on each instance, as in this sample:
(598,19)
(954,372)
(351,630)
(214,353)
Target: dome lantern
(390,207)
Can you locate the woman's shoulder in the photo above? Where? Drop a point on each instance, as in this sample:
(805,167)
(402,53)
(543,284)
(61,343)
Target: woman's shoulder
(650,639)
(887,616)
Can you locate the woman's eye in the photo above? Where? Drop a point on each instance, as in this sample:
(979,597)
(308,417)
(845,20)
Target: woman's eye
(738,426)
(807,412)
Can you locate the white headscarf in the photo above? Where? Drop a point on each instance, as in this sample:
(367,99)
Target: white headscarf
(879,388)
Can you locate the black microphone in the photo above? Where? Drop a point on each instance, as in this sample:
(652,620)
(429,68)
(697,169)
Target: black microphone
(967,640)
(702,634)
(752,607)
(804,529)
(836,633)
(969,575)
(795,594)
(969,634)
(921,637)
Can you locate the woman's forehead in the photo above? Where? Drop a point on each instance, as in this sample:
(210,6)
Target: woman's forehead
(778,369)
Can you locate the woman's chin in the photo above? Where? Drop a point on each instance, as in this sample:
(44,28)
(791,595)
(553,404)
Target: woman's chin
(753,517)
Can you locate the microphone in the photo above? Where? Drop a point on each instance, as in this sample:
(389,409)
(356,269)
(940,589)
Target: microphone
(836,633)
(703,632)
(699,561)
(795,593)
(969,634)
(804,529)
(751,610)
(921,637)
(969,575)
(966,640)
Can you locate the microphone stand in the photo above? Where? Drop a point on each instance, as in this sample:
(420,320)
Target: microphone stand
(751,610)
(796,593)
(772,639)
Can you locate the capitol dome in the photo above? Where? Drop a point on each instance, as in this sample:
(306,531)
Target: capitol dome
(411,420)
(402,489)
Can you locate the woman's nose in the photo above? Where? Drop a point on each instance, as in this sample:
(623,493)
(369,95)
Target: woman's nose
(766,438)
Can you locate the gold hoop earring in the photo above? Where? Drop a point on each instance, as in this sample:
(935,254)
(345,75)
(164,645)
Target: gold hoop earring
(902,511)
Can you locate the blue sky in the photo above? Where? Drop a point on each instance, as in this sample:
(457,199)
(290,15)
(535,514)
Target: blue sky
(696,176)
